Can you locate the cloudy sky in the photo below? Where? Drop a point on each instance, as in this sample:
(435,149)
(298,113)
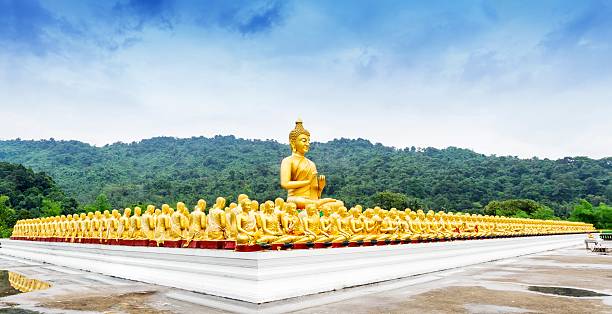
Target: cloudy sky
(522,78)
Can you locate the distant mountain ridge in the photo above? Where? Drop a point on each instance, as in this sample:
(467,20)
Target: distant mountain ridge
(167,169)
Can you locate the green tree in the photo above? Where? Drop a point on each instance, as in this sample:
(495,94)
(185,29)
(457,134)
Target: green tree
(401,201)
(51,208)
(604,216)
(520,214)
(510,208)
(544,213)
(7,217)
(583,211)
(390,200)
(101,204)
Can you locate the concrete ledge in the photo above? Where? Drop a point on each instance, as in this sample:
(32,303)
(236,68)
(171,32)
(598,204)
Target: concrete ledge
(259,277)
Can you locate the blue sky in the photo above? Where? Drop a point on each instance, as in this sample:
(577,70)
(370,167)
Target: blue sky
(525,78)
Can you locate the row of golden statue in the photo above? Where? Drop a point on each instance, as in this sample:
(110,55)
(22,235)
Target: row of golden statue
(24,284)
(278,224)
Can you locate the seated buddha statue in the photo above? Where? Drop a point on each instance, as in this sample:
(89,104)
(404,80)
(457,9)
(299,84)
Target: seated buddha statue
(246,224)
(356,225)
(216,221)
(469,226)
(70,225)
(279,207)
(344,225)
(415,225)
(82,231)
(136,230)
(270,225)
(291,225)
(330,222)
(163,226)
(389,225)
(371,226)
(404,232)
(298,174)
(197,223)
(312,226)
(232,214)
(147,223)
(430,226)
(180,221)
(123,230)
(445,229)
(112,225)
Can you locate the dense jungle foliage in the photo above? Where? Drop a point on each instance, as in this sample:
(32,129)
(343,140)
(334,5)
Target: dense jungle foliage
(26,194)
(166,169)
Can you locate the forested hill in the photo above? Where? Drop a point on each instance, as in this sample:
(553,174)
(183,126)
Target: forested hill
(167,169)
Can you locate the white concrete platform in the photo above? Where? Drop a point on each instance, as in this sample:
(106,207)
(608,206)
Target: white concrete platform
(259,277)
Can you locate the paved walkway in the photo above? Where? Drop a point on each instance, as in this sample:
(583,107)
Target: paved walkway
(495,287)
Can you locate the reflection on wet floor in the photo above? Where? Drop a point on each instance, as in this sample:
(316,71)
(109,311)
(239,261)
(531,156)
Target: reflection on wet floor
(567,292)
(17,311)
(14,283)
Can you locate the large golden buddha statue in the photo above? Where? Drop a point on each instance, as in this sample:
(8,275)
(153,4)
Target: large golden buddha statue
(298,174)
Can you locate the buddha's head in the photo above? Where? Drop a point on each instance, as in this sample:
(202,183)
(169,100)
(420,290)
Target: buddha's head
(137,211)
(254,205)
(90,215)
(165,208)
(220,202)
(291,208)
(299,138)
(311,209)
(401,214)
(383,213)
(268,207)
(413,215)
(271,204)
(430,214)
(127,212)
(202,204)
(420,214)
(343,211)
(242,197)
(326,209)
(377,210)
(150,209)
(279,203)
(247,205)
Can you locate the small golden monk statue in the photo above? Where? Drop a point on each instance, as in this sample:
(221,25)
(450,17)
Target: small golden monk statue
(148,223)
(136,229)
(246,224)
(216,221)
(197,223)
(298,174)
(123,230)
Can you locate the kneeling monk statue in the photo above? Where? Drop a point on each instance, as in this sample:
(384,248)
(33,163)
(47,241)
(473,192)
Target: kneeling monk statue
(298,174)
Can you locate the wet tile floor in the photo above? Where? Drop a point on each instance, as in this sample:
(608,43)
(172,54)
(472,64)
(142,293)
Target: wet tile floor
(538,283)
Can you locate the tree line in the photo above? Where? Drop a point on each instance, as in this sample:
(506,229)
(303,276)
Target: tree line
(166,170)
